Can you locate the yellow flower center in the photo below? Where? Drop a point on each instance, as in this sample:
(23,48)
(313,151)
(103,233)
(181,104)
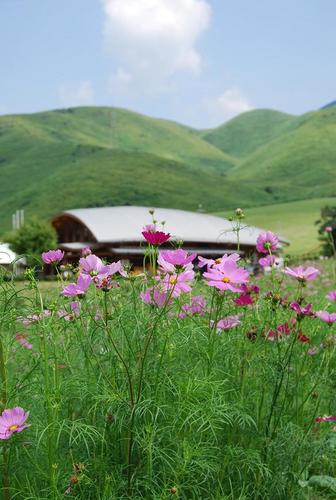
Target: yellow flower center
(226,279)
(218,261)
(173,281)
(13,427)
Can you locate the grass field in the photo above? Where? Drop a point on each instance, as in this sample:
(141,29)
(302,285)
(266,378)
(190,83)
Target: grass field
(165,387)
(295,221)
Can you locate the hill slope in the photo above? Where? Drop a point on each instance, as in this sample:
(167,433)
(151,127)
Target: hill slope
(244,134)
(85,157)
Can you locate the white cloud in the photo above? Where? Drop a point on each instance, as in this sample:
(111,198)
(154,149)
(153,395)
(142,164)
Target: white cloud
(228,105)
(154,39)
(123,76)
(81,94)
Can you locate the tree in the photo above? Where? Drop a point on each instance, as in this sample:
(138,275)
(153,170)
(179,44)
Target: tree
(33,238)
(327,229)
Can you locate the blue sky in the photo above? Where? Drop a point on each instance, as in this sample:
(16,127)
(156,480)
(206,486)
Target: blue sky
(199,62)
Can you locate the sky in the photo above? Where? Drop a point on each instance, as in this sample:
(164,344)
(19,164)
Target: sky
(198,62)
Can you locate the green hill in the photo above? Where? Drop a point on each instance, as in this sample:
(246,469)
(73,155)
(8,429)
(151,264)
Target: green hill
(244,134)
(82,157)
(300,163)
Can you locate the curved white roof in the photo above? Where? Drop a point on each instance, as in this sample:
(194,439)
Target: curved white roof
(124,224)
(7,256)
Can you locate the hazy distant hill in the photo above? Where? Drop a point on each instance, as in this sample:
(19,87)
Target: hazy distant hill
(106,156)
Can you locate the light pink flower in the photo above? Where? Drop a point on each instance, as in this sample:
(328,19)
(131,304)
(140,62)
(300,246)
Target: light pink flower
(153,236)
(70,316)
(196,307)
(105,279)
(34,318)
(332,295)
(302,274)
(11,421)
(79,288)
(176,284)
(154,297)
(327,317)
(267,261)
(211,262)
(227,276)
(86,251)
(92,265)
(227,323)
(52,256)
(171,261)
(328,229)
(22,339)
(267,242)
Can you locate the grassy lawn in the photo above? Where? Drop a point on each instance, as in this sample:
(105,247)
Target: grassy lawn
(295,221)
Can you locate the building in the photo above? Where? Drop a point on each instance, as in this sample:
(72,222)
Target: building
(9,260)
(115,232)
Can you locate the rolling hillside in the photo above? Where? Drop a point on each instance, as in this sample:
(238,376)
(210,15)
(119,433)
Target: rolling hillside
(84,157)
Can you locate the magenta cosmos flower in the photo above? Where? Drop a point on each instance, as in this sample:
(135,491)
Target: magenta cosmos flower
(171,261)
(153,236)
(227,323)
(227,276)
(176,284)
(52,256)
(11,421)
(302,310)
(327,317)
(332,295)
(302,274)
(326,418)
(79,288)
(267,242)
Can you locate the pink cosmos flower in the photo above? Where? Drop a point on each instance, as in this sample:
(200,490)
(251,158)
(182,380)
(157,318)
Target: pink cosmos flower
(70,316)
(52,256)
(105,279)
(227,323)
(227,276)
(92,265)
(79,288)
(171,261)
(210,262)
(196,307)
(326,418)
(22,339)
(302,310)
(177,283)
(154,297)
(33,318)
(302,274)
(283,329)
(86,251)
(328,229)
(332,295)
(267,261)
(267,242)
(12,420)
(327,317)
(153,236)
